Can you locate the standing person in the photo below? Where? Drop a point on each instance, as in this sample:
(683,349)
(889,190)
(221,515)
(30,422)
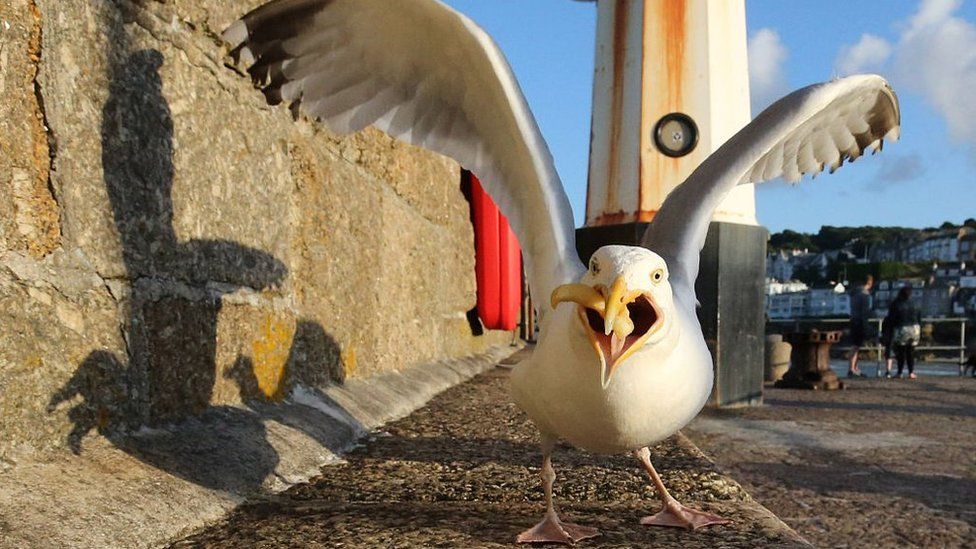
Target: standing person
(907,324)
(860,318)
(887,340)
(968,364)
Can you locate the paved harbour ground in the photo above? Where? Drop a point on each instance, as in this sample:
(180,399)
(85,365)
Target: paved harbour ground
(463,472)
(883,463)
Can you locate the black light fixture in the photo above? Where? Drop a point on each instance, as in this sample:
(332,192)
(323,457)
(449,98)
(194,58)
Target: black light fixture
(676,135)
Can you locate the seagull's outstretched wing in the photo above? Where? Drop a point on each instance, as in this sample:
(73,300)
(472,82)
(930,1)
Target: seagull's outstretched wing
(428,75)
(815,127)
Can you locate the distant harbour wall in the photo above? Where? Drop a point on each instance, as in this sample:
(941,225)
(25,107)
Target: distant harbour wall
(168,242)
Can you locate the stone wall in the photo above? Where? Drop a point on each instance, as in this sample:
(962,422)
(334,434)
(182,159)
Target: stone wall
(169,242)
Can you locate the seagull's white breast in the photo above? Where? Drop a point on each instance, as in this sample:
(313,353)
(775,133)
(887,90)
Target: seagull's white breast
(652,395)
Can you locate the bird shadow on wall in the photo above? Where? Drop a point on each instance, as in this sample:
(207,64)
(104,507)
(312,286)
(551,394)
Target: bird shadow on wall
(171,312)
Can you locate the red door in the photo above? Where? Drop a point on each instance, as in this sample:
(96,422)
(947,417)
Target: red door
(498,262)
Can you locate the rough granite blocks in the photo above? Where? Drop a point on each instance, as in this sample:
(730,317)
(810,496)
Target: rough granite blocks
(170,243)
(52,312)
(29,220)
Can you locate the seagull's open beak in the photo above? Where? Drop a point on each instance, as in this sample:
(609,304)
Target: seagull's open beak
(617,320)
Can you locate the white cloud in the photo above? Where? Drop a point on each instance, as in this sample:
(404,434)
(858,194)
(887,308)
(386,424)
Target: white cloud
(934,56)
(767,79)
(868,55)
(934,11)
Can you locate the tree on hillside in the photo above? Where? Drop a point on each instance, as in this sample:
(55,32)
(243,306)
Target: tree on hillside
(834,238)
(857,239)
(791,240)
(886,270)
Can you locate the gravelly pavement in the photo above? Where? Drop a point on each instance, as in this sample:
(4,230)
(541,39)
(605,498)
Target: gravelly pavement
(463,472)
(884,463)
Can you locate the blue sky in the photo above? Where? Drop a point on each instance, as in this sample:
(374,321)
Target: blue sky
(927,48)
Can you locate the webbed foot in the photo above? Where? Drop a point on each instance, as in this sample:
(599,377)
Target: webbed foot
(553,530)
(678,516)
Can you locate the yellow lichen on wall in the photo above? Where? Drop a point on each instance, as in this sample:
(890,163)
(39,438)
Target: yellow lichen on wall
(349,361)
(29,213)
(269,355)
(43,232)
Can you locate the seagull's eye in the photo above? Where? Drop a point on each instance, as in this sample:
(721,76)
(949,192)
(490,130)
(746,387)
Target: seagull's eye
(657,276)
(594,267)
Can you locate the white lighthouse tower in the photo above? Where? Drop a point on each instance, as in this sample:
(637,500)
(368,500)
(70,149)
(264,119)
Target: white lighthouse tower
(671,86)
(656,58)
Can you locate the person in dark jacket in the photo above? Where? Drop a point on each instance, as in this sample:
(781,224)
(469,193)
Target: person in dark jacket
(887,340)
(968,364)
(860,323)
(906,323)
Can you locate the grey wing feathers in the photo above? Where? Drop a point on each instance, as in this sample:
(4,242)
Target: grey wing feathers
(427,75)
(815,128)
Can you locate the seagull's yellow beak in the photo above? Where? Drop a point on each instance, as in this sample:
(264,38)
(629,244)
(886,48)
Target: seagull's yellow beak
(618,321)
(587,296)
(616,317)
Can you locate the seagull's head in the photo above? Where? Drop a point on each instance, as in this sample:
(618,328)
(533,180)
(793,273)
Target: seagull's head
(624,304)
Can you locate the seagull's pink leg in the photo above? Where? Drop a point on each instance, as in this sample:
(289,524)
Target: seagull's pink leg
(550,529)
(673,513)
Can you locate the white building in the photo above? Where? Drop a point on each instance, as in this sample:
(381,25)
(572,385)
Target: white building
(945,245)
(967,247)
(779,266)
(785,306)
(812,261)
(775,287)
(829,302)
(887,290)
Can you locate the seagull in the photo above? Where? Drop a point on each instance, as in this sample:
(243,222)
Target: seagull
(621,362)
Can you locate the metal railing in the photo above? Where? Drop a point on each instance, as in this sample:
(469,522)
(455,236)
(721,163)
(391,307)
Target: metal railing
(879,348)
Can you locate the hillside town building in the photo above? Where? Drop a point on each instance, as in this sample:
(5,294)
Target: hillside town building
(946,289)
